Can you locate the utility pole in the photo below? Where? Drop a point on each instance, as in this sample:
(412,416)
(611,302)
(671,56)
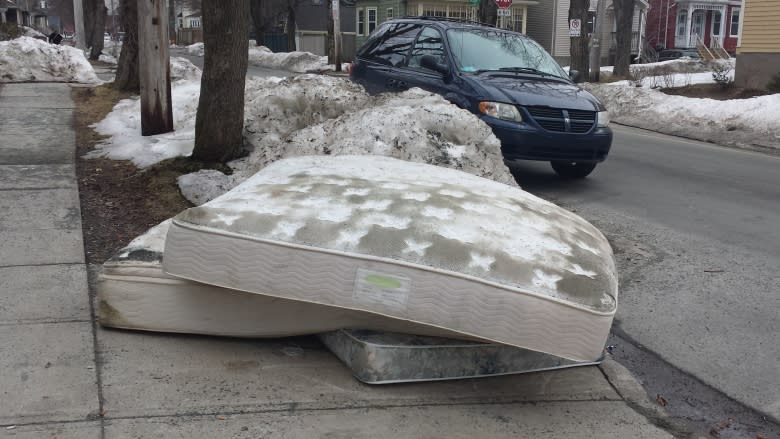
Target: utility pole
(78,21)
(337,34)
(595,48)
(153,68)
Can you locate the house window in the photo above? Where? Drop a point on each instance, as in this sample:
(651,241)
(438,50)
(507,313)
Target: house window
(716,20)
(371,12)
(195,22)
(734,31)
(682,22)
(361,21)
(389,13)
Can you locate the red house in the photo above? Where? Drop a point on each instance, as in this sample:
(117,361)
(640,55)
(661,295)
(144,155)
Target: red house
(681,24)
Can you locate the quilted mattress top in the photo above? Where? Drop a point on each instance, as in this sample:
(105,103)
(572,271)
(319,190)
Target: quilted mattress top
(424,215)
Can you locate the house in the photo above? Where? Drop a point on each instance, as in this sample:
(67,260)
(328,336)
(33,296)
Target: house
(28,13)
(548,24)
(311,17)
(758,44)
(189,27)
(371,13)
(695,24)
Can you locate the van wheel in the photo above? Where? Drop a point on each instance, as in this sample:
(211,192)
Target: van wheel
(574,170)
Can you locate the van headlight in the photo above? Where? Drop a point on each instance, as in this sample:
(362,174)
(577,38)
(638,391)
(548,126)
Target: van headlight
(602,119)
(500,111)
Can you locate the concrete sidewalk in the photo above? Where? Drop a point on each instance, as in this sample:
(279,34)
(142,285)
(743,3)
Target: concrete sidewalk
(64,376)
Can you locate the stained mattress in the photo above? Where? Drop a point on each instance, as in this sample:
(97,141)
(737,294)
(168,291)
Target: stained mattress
(134,293)
(408,242)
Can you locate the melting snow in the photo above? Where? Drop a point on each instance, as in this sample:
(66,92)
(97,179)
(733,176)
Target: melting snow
(27,59)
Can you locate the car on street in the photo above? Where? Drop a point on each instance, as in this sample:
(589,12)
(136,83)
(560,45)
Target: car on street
(667,55)
(533,106)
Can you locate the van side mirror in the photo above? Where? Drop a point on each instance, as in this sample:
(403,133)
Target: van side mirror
(429,62)
(575,75)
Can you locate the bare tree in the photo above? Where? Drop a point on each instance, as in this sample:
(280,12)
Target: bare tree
(94,26)
(266,15)
(624,17)
(578,9)
(127,76)
(220,119)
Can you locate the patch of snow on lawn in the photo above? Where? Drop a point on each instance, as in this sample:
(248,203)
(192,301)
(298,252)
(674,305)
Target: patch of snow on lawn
(30,32)
(123,125)
(28,59)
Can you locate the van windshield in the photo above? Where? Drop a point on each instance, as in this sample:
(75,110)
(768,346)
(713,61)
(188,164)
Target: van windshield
(481,50)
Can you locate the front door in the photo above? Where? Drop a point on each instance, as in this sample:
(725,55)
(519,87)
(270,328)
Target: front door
(697,27)
(715,38)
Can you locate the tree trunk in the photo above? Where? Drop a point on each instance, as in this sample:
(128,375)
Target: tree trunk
(624,16)
(220,119)
(291,25)
(258,21)
(578,9)
(96,39)
(488,12)
(127,78)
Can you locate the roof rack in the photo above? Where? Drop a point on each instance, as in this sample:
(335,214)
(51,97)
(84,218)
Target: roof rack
(454,20)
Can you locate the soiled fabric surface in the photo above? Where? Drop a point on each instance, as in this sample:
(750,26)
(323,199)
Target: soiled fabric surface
(423,215)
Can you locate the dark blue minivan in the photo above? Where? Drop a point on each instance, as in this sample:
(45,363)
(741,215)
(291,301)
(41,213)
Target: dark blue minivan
(506,78)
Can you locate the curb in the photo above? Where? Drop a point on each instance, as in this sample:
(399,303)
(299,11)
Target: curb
(631,391)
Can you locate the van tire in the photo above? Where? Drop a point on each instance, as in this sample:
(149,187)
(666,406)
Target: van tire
(573,170)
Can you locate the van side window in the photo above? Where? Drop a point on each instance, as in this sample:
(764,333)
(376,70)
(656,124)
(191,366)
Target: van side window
(395,45)
(428,43)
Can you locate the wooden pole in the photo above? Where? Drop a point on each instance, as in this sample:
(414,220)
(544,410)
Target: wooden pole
(337,34)
(154,68)
(596,42)
(78,22)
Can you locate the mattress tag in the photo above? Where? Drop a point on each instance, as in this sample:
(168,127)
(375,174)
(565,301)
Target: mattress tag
(382,288)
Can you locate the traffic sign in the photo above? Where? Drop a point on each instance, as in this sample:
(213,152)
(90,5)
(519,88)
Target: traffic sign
(503,4)
(575,27)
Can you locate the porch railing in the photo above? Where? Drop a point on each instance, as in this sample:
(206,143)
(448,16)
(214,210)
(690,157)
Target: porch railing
(634,42)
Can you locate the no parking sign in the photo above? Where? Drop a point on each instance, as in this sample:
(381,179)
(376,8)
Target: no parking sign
(575,27)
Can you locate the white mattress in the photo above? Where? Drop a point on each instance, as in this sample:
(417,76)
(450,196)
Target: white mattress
(410,242)
(135,293)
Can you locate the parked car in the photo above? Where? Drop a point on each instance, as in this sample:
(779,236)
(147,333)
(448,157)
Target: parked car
(666,55)
(504,77)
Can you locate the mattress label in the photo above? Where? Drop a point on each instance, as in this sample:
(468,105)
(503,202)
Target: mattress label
(382,288)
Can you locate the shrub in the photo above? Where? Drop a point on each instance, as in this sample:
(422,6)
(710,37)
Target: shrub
(721,74)
(9,31)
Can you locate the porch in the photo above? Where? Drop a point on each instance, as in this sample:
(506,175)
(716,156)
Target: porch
(700,24)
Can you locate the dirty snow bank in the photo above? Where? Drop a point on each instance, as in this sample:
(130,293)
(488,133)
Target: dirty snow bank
(739,122)
(320,115)
(182,68)
(27,59)
(107,59)
(195,49)
(30,32)
(300,62)
(312,114)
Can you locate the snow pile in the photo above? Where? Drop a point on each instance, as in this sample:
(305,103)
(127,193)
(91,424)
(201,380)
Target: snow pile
(32,33)
(292,61)
(182,68)
(28,59)
(670,80)
(107,59)
(195,49)
(736,121)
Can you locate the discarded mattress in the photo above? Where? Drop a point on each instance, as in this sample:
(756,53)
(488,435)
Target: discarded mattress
(411,242)
(386,357)
(134,293)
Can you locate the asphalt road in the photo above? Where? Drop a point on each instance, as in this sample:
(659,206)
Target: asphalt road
(696,232)
(251,70)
